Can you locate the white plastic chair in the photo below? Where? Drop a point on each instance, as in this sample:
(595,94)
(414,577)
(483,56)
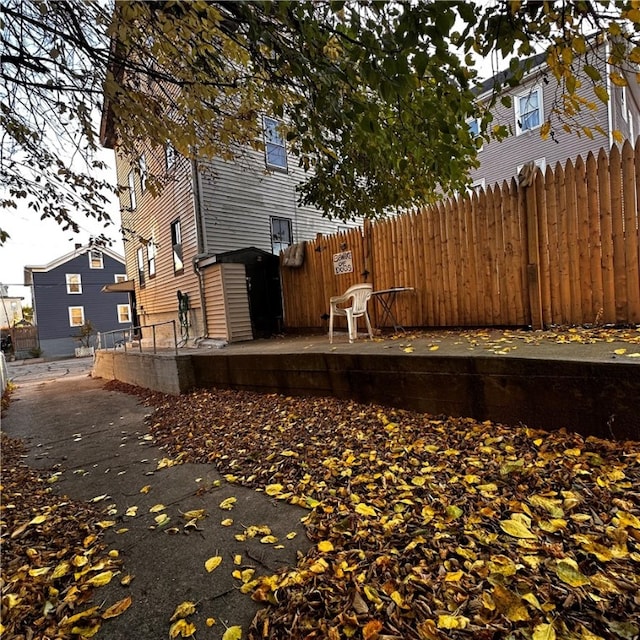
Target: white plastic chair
(358,295)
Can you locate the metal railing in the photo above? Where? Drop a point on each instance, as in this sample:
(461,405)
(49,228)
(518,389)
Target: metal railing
(121,337)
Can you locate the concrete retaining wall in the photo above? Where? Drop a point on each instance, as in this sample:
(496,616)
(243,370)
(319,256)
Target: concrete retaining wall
(593,398)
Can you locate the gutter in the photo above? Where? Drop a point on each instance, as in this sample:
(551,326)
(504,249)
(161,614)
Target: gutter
(201,242)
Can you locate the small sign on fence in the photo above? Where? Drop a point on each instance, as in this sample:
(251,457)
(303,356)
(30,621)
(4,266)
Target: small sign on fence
(342,263)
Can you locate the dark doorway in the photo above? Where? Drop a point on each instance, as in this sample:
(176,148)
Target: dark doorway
(263,288)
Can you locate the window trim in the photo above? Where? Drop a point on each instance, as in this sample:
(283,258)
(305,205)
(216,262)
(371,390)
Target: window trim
(537,89)
(67,277)
(128,308)
(170,156)
(270,129)
(140,266)
(120,277)
(133,201)
(475,135)
(151,258)
(541,163)
(94,253)
(142,168)
(176,241)
(272,219)
(69,310)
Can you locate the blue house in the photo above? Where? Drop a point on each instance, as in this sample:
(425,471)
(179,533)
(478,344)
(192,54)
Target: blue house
(67,292)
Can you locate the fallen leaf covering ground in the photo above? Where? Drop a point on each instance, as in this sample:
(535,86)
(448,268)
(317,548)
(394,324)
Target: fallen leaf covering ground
(426,527)
(53,557)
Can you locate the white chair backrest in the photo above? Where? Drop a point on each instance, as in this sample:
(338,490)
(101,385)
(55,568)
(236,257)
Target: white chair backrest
(360,294)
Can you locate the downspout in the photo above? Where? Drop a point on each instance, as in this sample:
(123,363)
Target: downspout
(610,101)
(201,242)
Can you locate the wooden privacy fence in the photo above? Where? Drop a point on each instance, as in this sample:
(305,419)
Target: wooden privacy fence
(562,250)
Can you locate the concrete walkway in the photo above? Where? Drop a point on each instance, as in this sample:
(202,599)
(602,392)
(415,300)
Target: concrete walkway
(96,443)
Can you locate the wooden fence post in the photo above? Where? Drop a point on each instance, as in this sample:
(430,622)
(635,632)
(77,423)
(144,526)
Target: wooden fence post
(526,181)
(367,240)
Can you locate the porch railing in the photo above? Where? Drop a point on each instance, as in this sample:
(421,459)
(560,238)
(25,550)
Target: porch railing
(123,338)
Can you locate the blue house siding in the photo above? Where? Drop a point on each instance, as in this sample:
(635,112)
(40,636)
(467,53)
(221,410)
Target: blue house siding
(52,301)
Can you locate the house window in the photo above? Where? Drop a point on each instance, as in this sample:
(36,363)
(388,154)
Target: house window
(529,110)
(132,190)
(280,234)
(74,282)
(169,155)
(120,277)
(176,244)
(274,147)
(76,316)
(151,258)
(477,185)
(142,168)
(124,313)
(140,259)
(95,259)
(474,128)
(623,102)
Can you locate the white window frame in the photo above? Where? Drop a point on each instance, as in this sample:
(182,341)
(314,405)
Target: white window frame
(95,254)
(142,167)
(623,104)
(477,185)
(170,155)
(273,141)
(131,179)
(176,246)
(69,278)
(71,323)
(120,277)
(140,266)
(127,309)
(525,96)
(151,258)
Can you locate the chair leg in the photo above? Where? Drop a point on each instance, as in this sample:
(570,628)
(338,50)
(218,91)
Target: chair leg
(351,324)
(331,327)
(366,317)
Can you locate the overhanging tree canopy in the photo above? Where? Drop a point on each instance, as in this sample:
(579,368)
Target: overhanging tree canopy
(375,94)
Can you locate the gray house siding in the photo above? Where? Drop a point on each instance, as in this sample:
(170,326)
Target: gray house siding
(239,199)
(500,160)
(52,301)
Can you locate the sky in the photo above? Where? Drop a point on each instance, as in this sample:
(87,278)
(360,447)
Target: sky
(38,242)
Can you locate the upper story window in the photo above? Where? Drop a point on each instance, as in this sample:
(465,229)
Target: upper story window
(281,237)
(170,155)
(151,258)
(474,126)
(274,144)
(140,261)
(95,259)
(74,282)
(132,190)
(529,114)
(120,277)
(142,168)
(176,244)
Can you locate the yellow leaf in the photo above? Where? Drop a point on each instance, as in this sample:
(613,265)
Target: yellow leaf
(146,489)
(61,570)
(86,632)
(117,608)
(212,563)
(452,622)
(627,520)
(568,571)
(544,631)
(408,349)
(101,579)
(161,519)
(273,489)
(545,129)
(636,354)
(517,529)
(105,524)
(434,347)
(39,572)
(182,628)
(237,559)
(125,581)
(195,514)
(227,522)
(268,540)
(365,510)
(325,545)
(232,633)
(156,508)
(131,512)
(210,622)
(38,520)
(291,535)
(617,136)
(227,504)
(620,352)
(183,610)
(418,481)
(454,576)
